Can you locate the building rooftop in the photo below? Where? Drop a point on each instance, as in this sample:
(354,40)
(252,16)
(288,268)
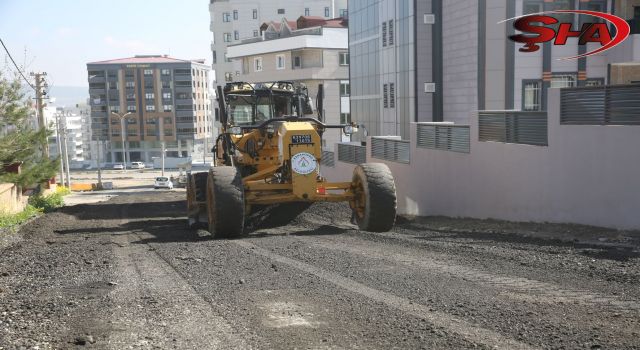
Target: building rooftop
(147,59)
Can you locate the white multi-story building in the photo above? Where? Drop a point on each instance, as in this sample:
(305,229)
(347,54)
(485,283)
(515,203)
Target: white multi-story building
(69,126)
(235,20)
(310,50)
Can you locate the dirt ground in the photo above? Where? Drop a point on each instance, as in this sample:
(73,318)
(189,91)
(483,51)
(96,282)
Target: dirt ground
(127,273)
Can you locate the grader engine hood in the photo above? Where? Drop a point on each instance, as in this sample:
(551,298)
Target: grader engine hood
(300,142)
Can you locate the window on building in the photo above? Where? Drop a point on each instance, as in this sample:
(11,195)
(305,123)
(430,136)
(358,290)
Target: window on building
(306,11)
(236,35)
(280,62)
(226,37)
(327,12)
(226,17)
(256,33)
(344,58)
(235,15)
(392,95)
(166,95)
(149,96)
(594,82)
(151,108)
(390,32)
(561,5)
(131,97)
(131,108)
(130,84)
(228,76)
(531,95)
(531,6)
(384,34)
(255,14)
(345,118)
(297,62)
(281,11)
(214,57)
(345,89)
(115,109)
(593,5)
(563,80)
(385,96)
(148,72)
(257,64)
(166,85)
(344,13)
(165,72)
(168,120)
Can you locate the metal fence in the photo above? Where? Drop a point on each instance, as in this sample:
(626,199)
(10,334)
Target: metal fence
(600,105)
(390,149)
(454,138)
(529,128)
(327,159)
(352,153)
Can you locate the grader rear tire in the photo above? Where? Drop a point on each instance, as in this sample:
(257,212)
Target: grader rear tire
(225,202)
(375,200)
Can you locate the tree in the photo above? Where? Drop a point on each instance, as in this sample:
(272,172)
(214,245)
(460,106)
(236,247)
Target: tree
(20,142)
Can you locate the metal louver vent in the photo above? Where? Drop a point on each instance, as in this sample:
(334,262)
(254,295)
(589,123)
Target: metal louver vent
(529,128)
(327,159)
(390,149)
(454,138)
(601,105)
(352,153)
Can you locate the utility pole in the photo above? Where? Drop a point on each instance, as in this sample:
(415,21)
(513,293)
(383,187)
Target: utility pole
(123,136)
(41,92)
(65,151)
(59,142)
(99,166)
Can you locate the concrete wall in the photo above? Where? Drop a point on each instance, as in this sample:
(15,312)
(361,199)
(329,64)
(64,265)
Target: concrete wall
(11,199)
(587,175)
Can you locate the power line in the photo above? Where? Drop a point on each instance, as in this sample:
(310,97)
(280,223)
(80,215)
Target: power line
(14,63)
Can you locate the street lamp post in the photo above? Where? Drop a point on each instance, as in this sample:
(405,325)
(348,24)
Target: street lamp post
(123,135)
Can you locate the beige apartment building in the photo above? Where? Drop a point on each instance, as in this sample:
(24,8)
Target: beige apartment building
(165,100)
(310,50)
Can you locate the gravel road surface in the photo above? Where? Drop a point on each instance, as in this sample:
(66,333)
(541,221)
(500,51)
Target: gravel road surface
(128,274)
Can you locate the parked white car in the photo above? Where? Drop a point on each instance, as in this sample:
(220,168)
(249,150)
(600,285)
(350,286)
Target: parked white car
(163,182)
(118,166)
(137,165)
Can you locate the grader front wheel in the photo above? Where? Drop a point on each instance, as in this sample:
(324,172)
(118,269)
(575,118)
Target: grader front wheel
(225,202)
(374,204)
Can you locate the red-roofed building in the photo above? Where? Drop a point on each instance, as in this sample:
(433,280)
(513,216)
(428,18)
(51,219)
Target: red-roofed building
(166,100)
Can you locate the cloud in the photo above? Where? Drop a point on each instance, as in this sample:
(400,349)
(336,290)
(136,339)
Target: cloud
(131,45)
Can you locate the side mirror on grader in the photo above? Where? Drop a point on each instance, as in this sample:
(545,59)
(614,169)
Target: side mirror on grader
(269,152)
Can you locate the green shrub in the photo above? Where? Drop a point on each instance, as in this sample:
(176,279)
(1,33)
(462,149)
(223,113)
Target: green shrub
(9,220)
(47,203)
(63,191)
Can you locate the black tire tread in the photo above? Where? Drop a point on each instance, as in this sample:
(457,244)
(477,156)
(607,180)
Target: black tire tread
(228,191)
(381,201)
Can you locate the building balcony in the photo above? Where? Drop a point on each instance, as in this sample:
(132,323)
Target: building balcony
(97,79)
(188,89)
(98,91)
(185,113)
(179,77)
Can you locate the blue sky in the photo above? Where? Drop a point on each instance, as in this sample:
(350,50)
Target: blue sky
(61,36)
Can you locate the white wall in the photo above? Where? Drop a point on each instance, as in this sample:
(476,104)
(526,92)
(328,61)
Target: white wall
(587,175)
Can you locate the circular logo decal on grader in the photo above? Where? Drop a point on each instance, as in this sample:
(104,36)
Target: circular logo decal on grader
(268,153)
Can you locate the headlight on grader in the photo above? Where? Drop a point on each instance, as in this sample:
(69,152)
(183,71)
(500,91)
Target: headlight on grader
(236,130)
(350,129)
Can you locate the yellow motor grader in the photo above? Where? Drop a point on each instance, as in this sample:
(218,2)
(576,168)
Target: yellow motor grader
(269,152)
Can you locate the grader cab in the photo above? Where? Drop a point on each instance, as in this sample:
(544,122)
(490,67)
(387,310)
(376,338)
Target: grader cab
(269,152)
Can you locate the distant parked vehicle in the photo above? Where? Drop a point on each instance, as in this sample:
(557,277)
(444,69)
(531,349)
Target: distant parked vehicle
(163,182)
(137,165)
(118,166)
